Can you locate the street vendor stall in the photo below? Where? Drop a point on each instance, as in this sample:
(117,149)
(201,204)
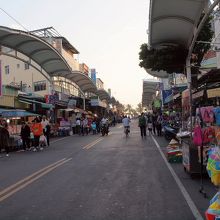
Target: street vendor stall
(14,117)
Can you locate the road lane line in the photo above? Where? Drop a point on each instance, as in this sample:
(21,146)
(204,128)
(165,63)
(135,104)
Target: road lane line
(92,143)
(29,177)
(25,184)
(10,193)
(183,190)
(100,139)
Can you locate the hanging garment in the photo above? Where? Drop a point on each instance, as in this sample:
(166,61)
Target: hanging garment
(207,114)
(217,134)
(208,135)
(217,115)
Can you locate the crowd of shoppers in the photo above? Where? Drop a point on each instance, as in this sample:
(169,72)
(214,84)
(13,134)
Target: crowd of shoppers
(151,122)
(35,135)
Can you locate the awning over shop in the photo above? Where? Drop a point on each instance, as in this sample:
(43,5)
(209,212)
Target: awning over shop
(149,91)
(10,113)
(31,101)
(45,55)
(172,22)
(103,95)
(83,81)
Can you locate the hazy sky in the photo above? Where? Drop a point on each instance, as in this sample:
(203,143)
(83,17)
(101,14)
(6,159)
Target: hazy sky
(107,33)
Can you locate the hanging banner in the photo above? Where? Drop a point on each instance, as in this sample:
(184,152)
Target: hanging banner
(167,96)
(212,93)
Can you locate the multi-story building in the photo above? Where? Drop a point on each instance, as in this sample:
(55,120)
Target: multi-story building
(99,83)
(18,74)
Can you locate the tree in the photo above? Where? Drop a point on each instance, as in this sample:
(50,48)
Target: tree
(128,109)
(206,34)
(139,108)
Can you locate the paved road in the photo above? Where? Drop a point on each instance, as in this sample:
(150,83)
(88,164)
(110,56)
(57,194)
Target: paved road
(91,177)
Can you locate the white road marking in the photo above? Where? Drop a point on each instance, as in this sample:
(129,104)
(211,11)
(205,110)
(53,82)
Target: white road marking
(183,190)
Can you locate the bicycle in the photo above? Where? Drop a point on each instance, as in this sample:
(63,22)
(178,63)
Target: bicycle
(127,131)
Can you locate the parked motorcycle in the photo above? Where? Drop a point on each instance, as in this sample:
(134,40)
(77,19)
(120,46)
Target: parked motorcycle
(104,130)
(170,131)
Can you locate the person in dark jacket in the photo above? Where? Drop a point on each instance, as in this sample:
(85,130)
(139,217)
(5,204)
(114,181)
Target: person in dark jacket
(142,125)
(25,135)
(4,137)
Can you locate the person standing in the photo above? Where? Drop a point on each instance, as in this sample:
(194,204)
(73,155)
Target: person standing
(25,135)
(37,130)
(85,126)
(142,125)
(78,126)
(4,137)
(154,122)
(46,129)
(159,125)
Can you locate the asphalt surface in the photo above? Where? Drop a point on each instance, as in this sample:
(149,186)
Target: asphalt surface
(91,177)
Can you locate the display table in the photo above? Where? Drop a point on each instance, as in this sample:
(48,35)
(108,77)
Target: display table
(15,142)
(63,131)
(190,157)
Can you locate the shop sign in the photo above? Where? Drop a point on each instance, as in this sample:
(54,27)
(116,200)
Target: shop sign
(97,102)
(71,103)
(64,97)
(198,94)
(213,93)
(167,95)
(52,99)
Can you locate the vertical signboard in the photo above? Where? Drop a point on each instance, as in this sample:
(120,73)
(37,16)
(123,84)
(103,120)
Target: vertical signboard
(93,75)
(0,78)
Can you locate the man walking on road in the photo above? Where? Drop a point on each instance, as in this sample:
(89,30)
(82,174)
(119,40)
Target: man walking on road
(142,125)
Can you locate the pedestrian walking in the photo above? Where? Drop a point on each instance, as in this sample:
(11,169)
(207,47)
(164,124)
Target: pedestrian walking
(154,122)
(159,125)
(142,125)
(46,129)
(149,125)
(78,126)
(25,135)
(4,137)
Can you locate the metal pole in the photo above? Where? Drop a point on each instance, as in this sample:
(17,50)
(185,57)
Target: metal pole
(84,103)
(189,84)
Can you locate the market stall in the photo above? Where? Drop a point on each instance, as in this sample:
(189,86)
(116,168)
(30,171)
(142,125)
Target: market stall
(14,117)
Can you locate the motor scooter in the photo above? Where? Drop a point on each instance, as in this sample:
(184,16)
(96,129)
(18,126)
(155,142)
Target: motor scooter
(104,130)
(170,131)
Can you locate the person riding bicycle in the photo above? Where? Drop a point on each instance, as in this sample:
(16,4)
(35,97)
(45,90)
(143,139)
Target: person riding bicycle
(126,123)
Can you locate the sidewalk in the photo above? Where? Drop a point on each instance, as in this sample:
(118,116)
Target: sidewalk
(192,185)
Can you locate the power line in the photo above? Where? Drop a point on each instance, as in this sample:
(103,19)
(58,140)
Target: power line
(14,19)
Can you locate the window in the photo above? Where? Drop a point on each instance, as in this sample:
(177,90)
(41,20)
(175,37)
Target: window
(40,86)
(26,66)
(7,69)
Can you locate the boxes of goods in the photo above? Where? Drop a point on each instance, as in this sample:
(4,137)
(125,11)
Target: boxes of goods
(174,153)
